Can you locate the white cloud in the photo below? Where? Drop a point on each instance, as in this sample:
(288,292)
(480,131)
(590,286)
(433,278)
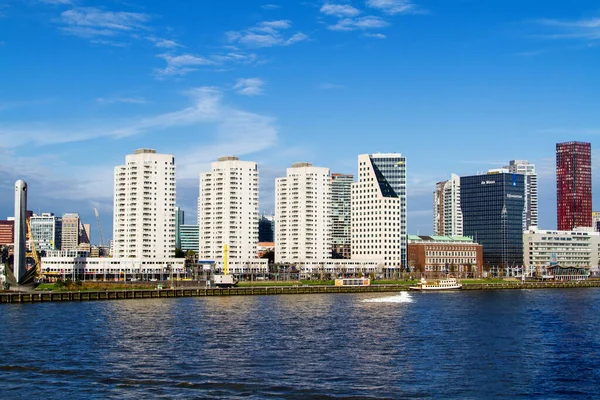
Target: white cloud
(362,23)
(266,34)
(249,86)
(375,35)
(394,6)
(126,100)
(164,43)
(91,22)
(57,2)
(270,7)
(584,29)
(182,64)
(339,10)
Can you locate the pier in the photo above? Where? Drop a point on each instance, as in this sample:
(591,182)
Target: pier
(43,297)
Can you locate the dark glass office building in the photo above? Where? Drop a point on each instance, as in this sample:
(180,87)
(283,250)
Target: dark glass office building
(492,207)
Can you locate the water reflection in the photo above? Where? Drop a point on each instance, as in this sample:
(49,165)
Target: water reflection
(471,344)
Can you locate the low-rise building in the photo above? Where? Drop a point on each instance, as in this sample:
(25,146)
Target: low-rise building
(577,248)
(436,256)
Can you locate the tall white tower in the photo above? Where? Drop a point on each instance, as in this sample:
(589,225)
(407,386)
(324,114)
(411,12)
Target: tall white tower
(144,206)
(228,210)
(530,213)
(379,210)
(447,214)
(20,260)
(303,214)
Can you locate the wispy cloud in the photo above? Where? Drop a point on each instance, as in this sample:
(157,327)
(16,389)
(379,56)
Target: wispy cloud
(330,86)
(182,64)
(126,100)
(339,10)
(375,35)
(270,6)
(362,23)
(249,86)
(395,6)
(206,107)
(164,43)
(89,22)
(583,29)
(57,2)
(266,34)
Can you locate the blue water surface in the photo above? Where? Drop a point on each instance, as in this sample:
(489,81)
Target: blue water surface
(492,344)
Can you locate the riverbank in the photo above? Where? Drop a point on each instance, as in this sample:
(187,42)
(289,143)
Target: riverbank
(12,298)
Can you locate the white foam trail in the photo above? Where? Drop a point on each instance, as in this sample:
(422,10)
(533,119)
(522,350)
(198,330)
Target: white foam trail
(403,297)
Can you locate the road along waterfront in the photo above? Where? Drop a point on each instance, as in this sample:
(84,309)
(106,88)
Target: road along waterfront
(8,298)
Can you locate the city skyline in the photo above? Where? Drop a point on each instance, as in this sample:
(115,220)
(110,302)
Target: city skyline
(453,87)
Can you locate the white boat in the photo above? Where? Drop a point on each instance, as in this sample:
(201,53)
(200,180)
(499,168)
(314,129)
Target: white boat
(443,284)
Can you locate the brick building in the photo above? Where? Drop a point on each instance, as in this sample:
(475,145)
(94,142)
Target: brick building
(436,256)
(6,232)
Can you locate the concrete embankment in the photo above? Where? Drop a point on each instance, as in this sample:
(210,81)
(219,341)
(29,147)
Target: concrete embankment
(8,298)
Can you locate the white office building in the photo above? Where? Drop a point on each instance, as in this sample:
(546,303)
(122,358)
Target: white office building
(144,206)
(447,214)
(379,210)
(303,214)
(530,213)
(47,231)
(228,213)
(578,248)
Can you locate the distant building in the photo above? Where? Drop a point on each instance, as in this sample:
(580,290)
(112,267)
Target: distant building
(447,214)
(574,185)
(47,231)
(596,221)
(144,206)
(7,233)
(379,210)
(437,256)
(85,234)
(266,228)
(20,231)
(179,221)
(492,207)
(341,215)
(70,231)
(577,248)
(530,213)
(303,214)
(190,238)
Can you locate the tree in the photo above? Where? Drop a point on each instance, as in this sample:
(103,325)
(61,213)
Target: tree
(270,255)
(179,253)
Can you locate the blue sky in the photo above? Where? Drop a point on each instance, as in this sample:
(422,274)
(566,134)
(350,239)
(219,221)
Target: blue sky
(457,86)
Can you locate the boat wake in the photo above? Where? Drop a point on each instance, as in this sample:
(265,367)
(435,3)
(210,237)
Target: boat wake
(403,297)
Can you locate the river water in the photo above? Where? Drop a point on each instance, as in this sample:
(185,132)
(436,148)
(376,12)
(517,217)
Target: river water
(522,343)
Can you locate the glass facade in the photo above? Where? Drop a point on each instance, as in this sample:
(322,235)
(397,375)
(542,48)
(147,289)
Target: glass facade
(573,185)
(190,238)
(341,201)
(492,207)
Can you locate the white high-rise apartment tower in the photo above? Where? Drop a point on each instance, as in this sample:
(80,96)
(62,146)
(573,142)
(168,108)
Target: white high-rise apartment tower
(144,206)
(379,210)
(447,214)
(303,214)
(530,213)
(228,211)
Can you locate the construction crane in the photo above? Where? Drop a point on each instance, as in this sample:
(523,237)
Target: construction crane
(99,227)
(33,254)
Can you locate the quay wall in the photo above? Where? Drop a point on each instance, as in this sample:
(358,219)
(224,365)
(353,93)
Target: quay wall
(39,297)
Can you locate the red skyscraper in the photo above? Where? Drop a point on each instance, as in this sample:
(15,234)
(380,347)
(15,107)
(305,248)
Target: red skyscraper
(574,185)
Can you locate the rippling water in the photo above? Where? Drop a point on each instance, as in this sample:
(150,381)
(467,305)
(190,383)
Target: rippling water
(541,343)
